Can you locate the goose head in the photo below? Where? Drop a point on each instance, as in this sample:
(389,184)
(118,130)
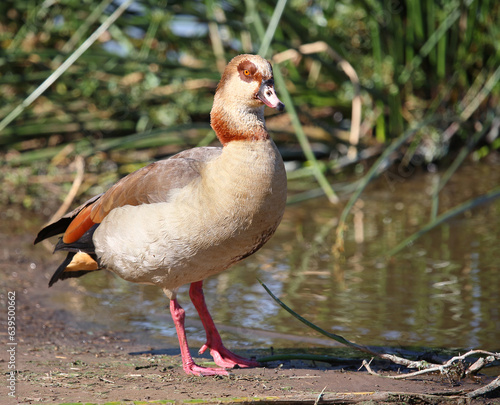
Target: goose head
(246,86)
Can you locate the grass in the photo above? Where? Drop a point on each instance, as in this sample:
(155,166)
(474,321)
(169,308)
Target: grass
(94,80)
(404,53)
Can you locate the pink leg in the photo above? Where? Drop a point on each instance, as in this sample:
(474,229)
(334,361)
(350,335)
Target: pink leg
(188,364)
(222,356)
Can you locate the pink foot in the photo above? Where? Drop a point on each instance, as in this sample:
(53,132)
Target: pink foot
(227,359)
(189,366)
(197,370)
(222,356)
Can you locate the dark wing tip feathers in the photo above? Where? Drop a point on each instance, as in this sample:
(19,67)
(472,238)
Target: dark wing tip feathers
(70,274)
(58,273)
(84,244)
(53,229)
(62,224)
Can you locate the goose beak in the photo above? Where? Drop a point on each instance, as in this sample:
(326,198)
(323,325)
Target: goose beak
(268,96)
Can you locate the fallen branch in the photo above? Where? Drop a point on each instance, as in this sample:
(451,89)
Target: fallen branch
(495,384)
(454,368)
(453,363)
(80,171)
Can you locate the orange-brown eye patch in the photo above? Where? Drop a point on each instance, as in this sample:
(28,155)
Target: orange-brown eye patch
(247,70)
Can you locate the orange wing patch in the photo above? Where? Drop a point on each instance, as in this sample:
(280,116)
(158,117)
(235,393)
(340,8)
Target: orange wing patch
(81,224)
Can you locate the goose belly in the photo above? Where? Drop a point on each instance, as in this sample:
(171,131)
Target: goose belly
(153,244)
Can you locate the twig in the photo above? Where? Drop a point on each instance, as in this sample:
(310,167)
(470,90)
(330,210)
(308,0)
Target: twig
(495,384)
(423,366)
(428,368)
(479,364)
(366,364)
(77,182)
(472,352)
(106,380)
(320,396)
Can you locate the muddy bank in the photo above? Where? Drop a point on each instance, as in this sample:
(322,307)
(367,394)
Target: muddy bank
(59,359)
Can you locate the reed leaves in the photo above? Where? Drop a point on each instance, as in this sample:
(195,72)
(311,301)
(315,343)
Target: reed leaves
(404,52)
(141,75)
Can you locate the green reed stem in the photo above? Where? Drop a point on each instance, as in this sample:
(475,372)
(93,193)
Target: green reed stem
(377,168)
(67,63)
(470,204)
(464,152)
(431,43)
(333,336)
(271,28)
(318,170)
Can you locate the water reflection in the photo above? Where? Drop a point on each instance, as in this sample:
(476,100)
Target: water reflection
(440,292)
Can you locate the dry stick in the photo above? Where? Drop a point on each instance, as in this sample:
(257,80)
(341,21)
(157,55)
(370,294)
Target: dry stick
(320,396)
(443,369)
(366,365)
(80,171)
(216,16)
(77,182)
(424,366)
(495,384)
(479,364)
(427,368)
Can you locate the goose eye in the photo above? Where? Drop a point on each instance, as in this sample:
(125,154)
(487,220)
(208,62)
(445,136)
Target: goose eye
(247,71)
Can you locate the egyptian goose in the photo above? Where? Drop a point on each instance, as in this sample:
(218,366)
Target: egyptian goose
(183,219)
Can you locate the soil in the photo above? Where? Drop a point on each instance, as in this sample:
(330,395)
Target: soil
(60,361)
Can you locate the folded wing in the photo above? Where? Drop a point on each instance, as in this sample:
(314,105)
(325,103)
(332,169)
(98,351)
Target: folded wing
(151,184)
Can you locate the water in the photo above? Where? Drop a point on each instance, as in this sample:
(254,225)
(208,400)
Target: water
(442,291)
